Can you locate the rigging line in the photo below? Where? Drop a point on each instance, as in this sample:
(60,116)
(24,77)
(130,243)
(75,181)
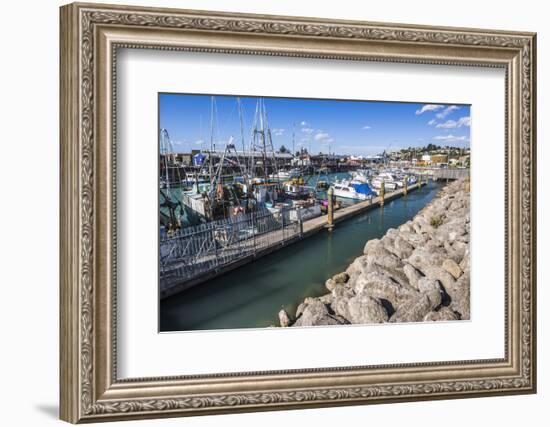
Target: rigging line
(271,147)
(225,121)
(210,155)
(253,133)
(241,122)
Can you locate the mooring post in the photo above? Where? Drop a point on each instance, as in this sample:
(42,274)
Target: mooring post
(283,225)
(405,180)
(330,208)
(382,193)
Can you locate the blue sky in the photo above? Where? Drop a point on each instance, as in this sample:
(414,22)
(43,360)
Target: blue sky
(346,127)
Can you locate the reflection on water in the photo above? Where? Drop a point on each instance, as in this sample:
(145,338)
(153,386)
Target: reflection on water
(252,295)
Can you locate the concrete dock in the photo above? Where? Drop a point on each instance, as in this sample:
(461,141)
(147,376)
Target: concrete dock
(315,225)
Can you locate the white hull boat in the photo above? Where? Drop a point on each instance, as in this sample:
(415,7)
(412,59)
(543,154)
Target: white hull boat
(353,190)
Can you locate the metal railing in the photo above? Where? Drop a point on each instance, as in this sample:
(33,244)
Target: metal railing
(199,250)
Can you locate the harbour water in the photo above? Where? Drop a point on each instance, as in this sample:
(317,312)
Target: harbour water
(252,295)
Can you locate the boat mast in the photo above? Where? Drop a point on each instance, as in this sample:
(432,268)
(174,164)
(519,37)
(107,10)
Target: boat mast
(262,136)
(269,144)
(253,142)
(168,153)
(211,153)
(164,152)
(262,140)
(239,105)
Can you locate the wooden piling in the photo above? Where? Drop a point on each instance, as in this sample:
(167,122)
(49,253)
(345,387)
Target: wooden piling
(330,208)
(405,181)
(382,193)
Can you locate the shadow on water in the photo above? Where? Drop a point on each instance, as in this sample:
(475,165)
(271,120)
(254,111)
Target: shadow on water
(252,295)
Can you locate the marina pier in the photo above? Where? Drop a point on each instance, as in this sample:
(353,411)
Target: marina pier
(253,294)
(316,224)
(199,253)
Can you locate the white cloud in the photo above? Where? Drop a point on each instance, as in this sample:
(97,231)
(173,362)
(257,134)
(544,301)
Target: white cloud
(181,143)
(451,124)
(464,121)
(428,107)
(307,130)
(322,136)
(366,127)
(446,111)
(278,132)
(450,138)
(432,122)
(304,123)
(360,149)
(199,141)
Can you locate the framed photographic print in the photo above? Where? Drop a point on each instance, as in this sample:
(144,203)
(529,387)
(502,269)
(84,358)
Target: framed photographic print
(267,212)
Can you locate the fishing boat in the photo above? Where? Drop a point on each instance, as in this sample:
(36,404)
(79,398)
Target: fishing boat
(362,174)
(412,180)
(389,180)
(294,190)
(359,176)
(197,202)
(219,187)
(283,175)
(322,185)
(266,192)
(195,179)
(305,209)
(353,190)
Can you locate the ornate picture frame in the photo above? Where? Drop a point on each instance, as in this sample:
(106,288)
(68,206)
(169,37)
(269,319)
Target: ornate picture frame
(90,37)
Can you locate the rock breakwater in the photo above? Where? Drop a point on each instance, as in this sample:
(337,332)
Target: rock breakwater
(417,272)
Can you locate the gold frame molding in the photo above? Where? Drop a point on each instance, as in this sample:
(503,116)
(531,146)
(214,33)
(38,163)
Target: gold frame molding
(90,37)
